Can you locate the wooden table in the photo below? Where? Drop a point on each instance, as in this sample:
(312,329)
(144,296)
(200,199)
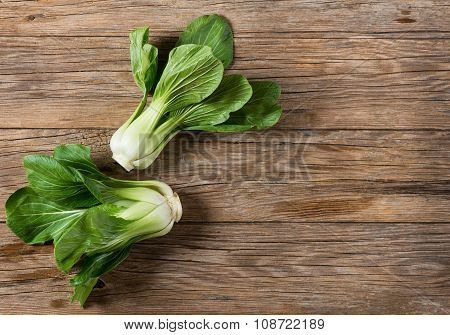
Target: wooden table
(343,207)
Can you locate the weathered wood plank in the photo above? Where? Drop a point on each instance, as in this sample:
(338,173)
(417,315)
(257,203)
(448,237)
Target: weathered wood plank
(257,268)
(353,80)
(344,209)
(330,176)
(95,17)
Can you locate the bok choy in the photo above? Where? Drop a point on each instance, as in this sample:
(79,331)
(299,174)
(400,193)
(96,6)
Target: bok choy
(93,220)
(192,93)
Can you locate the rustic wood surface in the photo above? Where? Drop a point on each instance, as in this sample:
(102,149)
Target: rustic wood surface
(343,207)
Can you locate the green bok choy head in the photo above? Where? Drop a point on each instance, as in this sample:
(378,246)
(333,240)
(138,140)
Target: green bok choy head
(89,217)
(194,94)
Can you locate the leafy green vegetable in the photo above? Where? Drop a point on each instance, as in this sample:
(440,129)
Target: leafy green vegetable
(193,94)
(192,73)
(90,217)
(213,31)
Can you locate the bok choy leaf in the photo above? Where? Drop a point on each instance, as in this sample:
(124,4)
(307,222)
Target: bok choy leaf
(213,31)
(260,112)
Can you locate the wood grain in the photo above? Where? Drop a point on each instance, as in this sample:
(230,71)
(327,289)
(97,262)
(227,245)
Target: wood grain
(221,268)
(283,176)
(385,74)
(343,207)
